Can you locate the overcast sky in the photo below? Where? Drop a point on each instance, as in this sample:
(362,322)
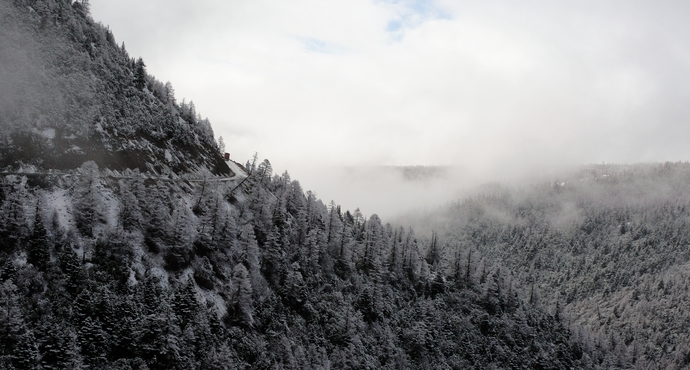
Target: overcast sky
(486,85)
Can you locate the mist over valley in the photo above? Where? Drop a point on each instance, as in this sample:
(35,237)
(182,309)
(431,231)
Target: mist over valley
(378,184)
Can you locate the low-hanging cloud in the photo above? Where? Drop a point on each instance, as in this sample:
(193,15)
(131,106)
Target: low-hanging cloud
(493,88)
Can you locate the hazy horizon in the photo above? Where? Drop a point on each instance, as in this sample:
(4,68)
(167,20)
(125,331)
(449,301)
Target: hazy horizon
(497,89)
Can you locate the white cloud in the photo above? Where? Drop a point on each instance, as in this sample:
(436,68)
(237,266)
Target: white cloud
(490,86)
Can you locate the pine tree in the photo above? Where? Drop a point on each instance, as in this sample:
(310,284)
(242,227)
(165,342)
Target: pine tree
(273,260)
(411,257)
(160,337)
(93,341)
(71,265)
(264,172)
(130,212)
(170,94)
(344,264)
(140,74)
(494,295)
(314,248)
(250,253)
(183,226)
(241,297)
(38,253)
(12,323)
(221,145)
(395,255)
(25,354)
(13,223)
(9,271)
(87,200)
(158,206)
(128,317)
(152,294)
(434,253)
(59,347)
(185,304)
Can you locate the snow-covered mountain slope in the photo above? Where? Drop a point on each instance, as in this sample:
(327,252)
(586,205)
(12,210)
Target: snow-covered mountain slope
(608,244)
(70,94)
(133,256)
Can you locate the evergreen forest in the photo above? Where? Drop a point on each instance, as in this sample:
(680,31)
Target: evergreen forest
(607,246)
(128,242)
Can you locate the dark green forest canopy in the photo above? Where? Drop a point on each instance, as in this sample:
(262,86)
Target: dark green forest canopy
(133,272)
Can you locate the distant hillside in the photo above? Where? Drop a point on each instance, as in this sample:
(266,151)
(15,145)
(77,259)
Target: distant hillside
(421,173)
(608,244)
(70,94)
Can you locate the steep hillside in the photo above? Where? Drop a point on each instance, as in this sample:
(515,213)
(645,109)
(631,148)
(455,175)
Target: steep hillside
(134,257)
(609,245)
(69,94)
(138,273)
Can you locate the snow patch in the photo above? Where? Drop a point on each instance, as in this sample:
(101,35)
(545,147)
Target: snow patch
(99,127)
(216,300)
(27,168)
(60,206)
(132,279)
(112,206)
(76,149)
(48,133)
(186,275)
(234,167)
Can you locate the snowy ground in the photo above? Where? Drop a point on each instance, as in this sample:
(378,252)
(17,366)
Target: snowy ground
(239,171)
(60,205)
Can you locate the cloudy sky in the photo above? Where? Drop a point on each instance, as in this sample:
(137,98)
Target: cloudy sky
(489,86)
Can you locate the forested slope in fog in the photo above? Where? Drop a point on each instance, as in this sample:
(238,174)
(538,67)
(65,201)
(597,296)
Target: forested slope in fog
(105,272)
(145,251)
(69,93)
(609,246)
